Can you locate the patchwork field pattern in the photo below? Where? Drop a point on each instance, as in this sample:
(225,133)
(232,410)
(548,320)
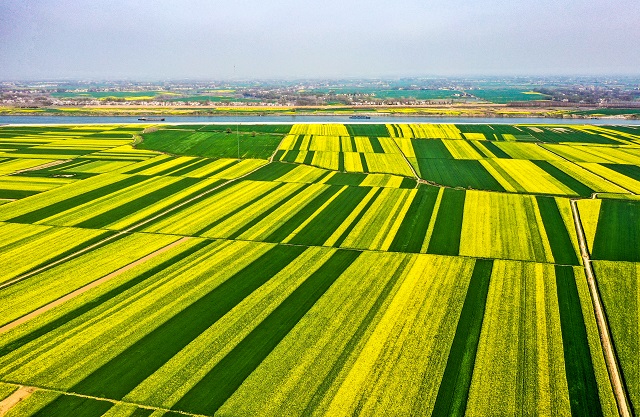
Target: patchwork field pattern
(331,270)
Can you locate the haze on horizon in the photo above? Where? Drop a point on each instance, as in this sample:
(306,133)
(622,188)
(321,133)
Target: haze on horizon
(112,39)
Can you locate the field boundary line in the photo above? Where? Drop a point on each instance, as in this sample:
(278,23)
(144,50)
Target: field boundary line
(89,286)
(406,160)
(91,397)
(43,166)
(22,393)
(125,231)
(59,261)
(610,358)
(273,155)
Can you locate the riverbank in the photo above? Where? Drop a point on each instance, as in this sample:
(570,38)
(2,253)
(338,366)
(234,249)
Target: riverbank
(464,111)
(300,119)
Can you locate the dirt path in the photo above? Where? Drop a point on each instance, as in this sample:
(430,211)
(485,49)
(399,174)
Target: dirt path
(13,399)
(406,160)
(273,155)
(43,166)
(603,327)
(24,392)
(87,287)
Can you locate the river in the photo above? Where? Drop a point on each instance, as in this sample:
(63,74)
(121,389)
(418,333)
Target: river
(50,120)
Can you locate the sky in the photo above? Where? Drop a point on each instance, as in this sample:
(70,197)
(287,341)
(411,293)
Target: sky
(287,39)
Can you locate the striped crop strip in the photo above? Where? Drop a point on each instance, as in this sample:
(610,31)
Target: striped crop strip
(271,172)
(100,301)
(354,148)
(225,378)
(297,143)
(631,171)
(447,230)
(617,233)
(456,380)
(363,161)
(88,406)
(566,179)
(223,184)
(149,165)
(69,203)
(124,372)
(328,220)
(413,228)
(257,197)
(408,183)
(169,171)
(375,145)
(355,221)
(557,233)
(494,149)
(478,149)
(353,342)
(17,194)
(71,405)
(101,240)
(581,380)
(257,219)
(141,203)
(290,156)
(303,214)
(308,158)
(186,170)
(341,161)
(222,168)
(321,178)
(347,178)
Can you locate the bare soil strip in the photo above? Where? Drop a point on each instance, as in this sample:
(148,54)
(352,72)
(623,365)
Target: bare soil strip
(30,390)
(603,327)
(87,287)
(43,166)
(13,399)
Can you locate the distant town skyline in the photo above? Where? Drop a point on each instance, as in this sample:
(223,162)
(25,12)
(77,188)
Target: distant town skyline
(329,39)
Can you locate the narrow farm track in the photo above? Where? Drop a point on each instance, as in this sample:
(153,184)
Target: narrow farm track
(43,166)
(415,173)
(21,394)
(273,155)
(89,286)
(613,368)
(24,392)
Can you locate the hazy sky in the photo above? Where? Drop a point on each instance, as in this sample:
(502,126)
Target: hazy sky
(146,39)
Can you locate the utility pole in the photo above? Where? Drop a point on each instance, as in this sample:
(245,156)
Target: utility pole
(238,137)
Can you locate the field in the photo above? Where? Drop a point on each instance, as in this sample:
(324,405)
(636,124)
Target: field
(328,270)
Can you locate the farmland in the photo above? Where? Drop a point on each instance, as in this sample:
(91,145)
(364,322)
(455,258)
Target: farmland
(318,270)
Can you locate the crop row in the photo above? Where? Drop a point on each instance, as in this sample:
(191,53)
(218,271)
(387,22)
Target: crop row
(423,333)
(329,212)
(419,220)
(619,285)
(25,247)
(556,169)
(612,228)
